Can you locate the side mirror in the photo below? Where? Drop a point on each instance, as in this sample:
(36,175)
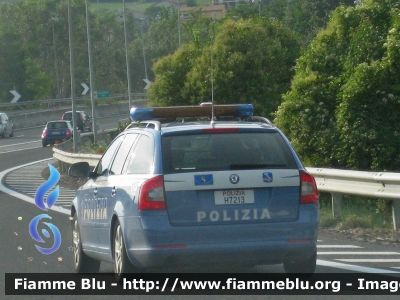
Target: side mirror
(79,170)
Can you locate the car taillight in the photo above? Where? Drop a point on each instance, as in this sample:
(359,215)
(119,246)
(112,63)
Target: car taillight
(308,189)
(68,132)
(152,194)
(44,133)
(80,117)
(63,117)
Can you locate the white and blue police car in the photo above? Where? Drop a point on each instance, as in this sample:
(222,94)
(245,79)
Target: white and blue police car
(209,184)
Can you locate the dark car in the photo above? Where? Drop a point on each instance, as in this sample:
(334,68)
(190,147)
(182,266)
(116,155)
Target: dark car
(83,119)
(6,126)
(228,191)
(56,131)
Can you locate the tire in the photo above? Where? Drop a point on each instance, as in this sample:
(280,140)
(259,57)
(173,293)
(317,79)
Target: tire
(82,262)
(11,133)
(122,264)
(306,266)
(44,144)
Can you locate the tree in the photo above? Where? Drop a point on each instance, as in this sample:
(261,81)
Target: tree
(36,37)
(12,67)
(242,11)
(171,74)
(252,62)
(152,12)
(343,107)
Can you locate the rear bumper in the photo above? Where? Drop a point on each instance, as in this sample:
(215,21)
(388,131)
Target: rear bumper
(152,241)
(52,140)
(243,254)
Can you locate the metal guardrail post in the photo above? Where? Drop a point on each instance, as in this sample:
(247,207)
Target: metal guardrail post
(336,204)
(396,217)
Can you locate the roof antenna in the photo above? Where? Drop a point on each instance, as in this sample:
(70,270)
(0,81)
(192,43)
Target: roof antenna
(212,75)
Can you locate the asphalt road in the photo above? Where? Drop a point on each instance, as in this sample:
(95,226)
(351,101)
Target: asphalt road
(19,255)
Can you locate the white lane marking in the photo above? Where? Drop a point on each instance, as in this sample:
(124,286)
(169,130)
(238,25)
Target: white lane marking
(358,253)
(338,246)
(31,182)
(338,265)
(20,143)
(15,150)
(373,260)
(22,196)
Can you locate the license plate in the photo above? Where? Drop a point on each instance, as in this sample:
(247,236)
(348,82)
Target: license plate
(55,132)
(232,197)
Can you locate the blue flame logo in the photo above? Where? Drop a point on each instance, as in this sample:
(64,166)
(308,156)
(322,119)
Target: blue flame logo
(35,235)
(45,187)
(45,205)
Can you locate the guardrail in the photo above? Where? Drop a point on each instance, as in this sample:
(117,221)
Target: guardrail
(71,158)
(337,182)
(383,185)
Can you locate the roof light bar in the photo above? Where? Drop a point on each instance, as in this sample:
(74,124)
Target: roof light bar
(172,112)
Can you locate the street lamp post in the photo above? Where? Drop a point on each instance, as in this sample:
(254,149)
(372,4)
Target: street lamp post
(127,58)
(144,53)
(55,58)
(72,70)
(179,23)
(91,77)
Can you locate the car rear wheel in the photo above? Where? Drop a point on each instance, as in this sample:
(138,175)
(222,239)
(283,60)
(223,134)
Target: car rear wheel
(122,264)
(304,266)
(82,262)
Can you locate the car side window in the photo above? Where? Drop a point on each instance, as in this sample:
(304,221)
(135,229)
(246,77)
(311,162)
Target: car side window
(141,157)
(104,163)
(122,154)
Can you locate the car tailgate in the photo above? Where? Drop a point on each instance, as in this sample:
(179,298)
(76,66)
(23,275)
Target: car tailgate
(242,196)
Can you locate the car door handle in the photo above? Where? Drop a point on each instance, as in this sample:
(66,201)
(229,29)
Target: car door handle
(113,191)
(95,191)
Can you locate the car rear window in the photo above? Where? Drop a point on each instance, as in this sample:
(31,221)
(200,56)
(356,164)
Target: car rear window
(57,125)
(228,151)
(68,116)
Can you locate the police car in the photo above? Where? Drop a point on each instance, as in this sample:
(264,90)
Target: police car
(186,185)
